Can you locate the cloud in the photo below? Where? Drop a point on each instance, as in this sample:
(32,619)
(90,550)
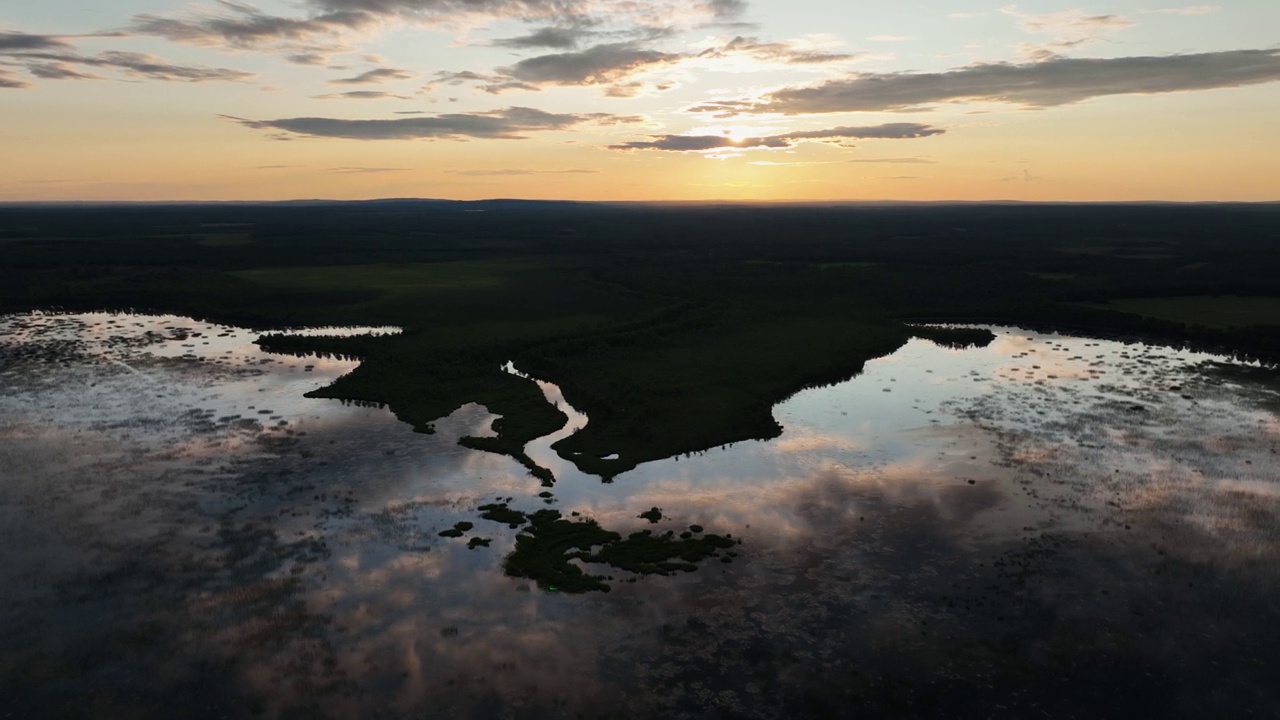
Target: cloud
(1067,24)
(699,143)
(682,143)
(600,64)
(361,95)
(893,131)
(492,84)
(625,90)
(327,27)
(446,77)
(614,64)
(53,58)
(1058,81)
(153,68)
(727,9)
(308,58)
(508,124)
(136,65)
(520,171)
(242,26)
(1069,29)
(781,52)
(60,71)
(558,38)
(18,41)
(9,82)
(377,75)
(436,10)
(558,12)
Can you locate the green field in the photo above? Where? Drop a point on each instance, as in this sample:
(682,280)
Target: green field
(1209,311)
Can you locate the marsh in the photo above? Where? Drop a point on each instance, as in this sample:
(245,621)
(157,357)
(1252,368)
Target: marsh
(1030,525)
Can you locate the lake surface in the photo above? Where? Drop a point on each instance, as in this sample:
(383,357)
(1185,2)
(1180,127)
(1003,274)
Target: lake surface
(1047,526)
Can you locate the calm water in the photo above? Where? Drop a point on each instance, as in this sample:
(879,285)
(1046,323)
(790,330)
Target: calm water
(1049,526)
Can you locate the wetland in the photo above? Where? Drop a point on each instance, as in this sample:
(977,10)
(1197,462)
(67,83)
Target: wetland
(1031,523)
(901,465)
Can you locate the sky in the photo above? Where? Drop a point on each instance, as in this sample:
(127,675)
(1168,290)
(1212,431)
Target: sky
(774,100)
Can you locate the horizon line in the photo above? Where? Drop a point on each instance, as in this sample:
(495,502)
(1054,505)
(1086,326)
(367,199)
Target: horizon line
(882,201)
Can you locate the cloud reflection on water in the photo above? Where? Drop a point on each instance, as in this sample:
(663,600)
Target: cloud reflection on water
(875,529)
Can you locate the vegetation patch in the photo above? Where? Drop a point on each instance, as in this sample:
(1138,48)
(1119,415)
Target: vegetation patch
(544,553)
(552,550)
(458,530)
(499,512)
(954,337)
(645,553)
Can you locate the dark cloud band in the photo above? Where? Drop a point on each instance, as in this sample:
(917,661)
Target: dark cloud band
(698,143)
(596,65)
(509,124)
(1058,81)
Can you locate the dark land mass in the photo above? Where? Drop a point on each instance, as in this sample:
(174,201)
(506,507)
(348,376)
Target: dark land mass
(675,328)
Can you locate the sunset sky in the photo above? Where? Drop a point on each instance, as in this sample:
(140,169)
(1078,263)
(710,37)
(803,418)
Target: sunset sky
(631,100)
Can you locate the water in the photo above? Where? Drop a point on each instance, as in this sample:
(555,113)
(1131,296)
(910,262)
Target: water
(1046,525)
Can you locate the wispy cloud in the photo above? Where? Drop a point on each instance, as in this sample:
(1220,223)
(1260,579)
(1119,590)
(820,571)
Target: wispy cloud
(560,12)
(362,95)
(9,82)
(19,41)
(1067,24)
(53,57)
(556,38)
(1068,29)
(60,71)
(1058,81)
(510,124)
(241,26)
(132,64)
(839,135)
(788,53)
(601,64)
(375,76)
(614,65)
